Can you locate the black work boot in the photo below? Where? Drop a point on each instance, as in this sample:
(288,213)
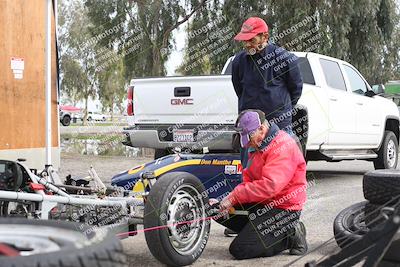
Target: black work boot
(297,242)
(230,233)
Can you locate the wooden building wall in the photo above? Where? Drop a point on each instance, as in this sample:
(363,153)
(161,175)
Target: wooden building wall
(22,102)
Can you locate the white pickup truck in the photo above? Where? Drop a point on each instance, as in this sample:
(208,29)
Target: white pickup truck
(339,115)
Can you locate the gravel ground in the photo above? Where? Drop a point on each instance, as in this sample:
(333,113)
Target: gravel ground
(337,185)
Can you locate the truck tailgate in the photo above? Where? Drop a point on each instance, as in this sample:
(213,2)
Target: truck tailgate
(184,100)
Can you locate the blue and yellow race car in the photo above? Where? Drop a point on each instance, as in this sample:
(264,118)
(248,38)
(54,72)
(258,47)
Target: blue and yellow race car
(176,190)
(219,173)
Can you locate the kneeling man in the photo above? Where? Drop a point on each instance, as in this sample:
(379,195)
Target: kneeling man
(273,192)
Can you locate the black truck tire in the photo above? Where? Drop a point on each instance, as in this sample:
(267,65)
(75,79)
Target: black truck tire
(66,120)
(388,152)
(381,186)
(349,226)
(95,248)
(176,197)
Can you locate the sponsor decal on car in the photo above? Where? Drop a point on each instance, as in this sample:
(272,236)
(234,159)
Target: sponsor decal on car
(230,169)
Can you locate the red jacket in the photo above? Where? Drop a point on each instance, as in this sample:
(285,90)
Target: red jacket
(275,175)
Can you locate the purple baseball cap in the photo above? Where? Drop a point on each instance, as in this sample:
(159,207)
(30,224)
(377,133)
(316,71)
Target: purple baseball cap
(247,123)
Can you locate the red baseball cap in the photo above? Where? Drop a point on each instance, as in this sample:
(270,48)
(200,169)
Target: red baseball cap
(250,28)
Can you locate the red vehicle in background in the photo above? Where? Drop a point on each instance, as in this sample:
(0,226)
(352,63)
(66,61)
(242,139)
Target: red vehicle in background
(68,113)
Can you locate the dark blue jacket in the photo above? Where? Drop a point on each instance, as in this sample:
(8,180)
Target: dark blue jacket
(269,81)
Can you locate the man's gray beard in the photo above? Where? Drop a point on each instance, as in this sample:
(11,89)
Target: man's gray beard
(253,51)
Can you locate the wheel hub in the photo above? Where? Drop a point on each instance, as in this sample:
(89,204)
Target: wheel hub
(391,154)
(185,221)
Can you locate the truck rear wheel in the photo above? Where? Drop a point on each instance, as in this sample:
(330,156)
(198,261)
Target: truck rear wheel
(42,243)
(175,222)
(388,152)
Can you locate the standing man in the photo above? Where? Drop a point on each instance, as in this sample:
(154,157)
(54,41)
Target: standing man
(265,76)
(273,191)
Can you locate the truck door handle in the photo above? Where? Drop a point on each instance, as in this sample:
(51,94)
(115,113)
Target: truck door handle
(333,99)
(182,91)
(360,104)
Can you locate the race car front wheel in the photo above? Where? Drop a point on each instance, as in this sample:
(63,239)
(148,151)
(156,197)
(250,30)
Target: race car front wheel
(41,243)
(175,222)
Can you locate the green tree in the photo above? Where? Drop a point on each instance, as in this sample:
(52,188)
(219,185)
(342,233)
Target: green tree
(150,23)
(112,87)
(364,33)
(77,59)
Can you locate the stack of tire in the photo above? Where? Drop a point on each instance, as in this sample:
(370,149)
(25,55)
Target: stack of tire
(382,193)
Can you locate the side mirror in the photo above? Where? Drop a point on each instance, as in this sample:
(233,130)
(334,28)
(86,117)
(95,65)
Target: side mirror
(370,93)
(378,89)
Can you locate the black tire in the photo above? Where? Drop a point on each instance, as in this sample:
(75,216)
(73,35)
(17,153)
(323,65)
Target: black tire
(159,153)
(160,206)
(349,226)
(388,152)
(97,249)
(381,186)
(66,120)
(373,217)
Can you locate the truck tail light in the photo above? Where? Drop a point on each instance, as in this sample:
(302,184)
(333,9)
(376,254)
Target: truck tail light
(129,108)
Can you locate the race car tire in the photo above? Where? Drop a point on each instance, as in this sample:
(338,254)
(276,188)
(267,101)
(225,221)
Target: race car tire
(382,186)
(349,226)
(61,244)
(388,152)
(175,198)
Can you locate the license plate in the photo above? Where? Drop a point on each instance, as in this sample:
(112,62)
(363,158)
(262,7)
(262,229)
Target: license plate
(183,136)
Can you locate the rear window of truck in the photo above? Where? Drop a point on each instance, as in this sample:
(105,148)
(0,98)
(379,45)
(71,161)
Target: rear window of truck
(305,70)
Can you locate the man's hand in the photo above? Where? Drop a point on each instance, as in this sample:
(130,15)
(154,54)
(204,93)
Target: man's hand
(225,204)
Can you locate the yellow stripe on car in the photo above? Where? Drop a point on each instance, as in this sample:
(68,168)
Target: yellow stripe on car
(175,165)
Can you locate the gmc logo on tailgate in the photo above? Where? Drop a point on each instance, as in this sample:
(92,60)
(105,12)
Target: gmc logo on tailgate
(181,101)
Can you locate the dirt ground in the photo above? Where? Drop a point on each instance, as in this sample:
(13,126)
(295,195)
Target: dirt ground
(106,167)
